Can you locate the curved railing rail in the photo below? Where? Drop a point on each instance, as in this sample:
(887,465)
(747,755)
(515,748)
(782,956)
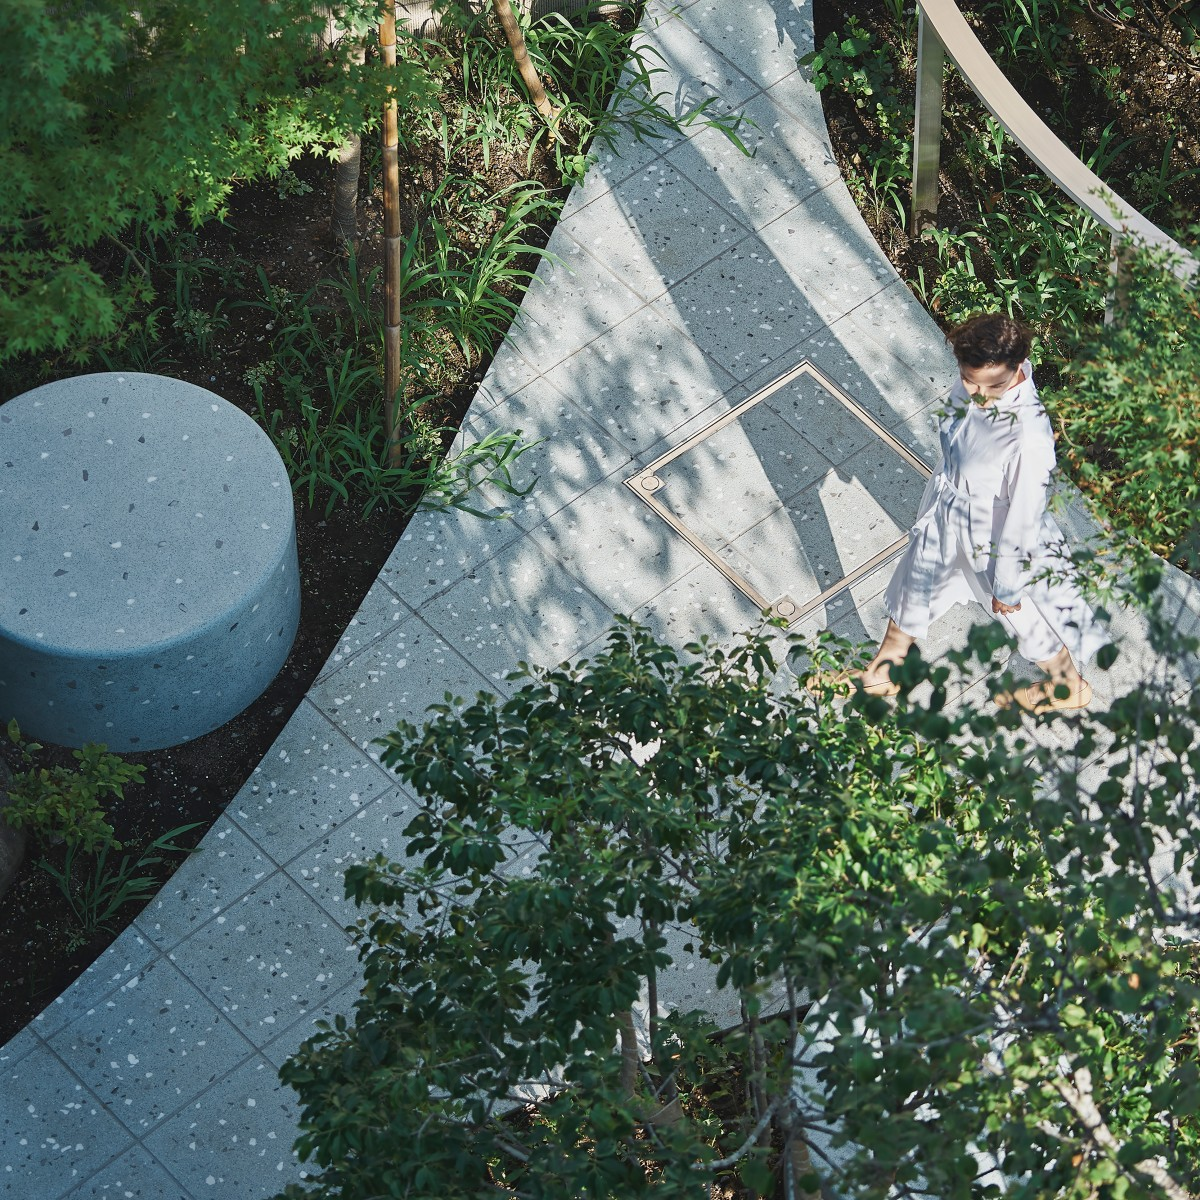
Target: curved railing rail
(942,30)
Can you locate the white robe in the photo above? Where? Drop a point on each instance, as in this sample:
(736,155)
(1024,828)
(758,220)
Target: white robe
(983,530)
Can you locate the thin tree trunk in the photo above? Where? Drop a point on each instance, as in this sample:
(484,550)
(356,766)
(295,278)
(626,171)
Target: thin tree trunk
(516,41)
(391,234)
(344,220)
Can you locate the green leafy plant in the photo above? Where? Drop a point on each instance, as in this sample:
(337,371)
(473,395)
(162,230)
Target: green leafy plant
(1129,411)
(288,183)
(457,478)
(160,116)
(1035,31)
(96,893)
(60,804)
(943,942)
(330,429)
(851,63)
(1154,190)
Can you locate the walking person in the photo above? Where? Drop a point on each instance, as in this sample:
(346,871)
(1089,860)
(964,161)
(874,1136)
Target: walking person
(982,532)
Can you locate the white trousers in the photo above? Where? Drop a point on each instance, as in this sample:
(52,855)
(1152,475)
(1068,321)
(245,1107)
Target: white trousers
(945,584)
(938,572)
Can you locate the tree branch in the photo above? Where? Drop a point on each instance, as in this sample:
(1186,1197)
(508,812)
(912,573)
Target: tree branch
(1079,1098)
(751,1141)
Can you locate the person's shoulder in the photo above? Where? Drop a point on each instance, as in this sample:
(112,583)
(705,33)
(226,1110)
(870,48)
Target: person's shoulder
(1035,433)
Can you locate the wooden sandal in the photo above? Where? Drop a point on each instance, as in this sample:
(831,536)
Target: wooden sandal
(1039,698)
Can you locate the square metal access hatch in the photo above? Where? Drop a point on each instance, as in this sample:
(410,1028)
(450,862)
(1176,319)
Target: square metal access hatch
(880,523)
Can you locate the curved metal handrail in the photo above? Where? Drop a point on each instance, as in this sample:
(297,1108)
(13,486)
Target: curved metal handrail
(943,30)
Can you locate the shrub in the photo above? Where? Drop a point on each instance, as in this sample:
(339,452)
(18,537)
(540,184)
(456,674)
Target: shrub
(978,943)
(61,804)
(1129,414)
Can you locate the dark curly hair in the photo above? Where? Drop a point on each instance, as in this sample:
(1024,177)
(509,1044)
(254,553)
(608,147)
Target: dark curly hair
(988,338)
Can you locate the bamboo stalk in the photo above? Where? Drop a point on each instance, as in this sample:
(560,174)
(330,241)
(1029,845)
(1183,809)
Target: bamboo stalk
(391,234)
(516,42)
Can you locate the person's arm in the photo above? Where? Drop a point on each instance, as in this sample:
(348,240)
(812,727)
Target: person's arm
(1027,480)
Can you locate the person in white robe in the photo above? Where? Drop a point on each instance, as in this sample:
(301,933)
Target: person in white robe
(982,532)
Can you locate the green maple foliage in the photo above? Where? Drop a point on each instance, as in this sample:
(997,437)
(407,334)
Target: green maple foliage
(115,119)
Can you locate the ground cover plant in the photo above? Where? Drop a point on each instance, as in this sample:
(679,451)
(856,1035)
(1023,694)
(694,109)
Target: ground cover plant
(266,307)
(965,960)
(1115,82)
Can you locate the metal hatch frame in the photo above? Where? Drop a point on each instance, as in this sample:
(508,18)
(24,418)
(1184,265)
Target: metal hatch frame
(646,482)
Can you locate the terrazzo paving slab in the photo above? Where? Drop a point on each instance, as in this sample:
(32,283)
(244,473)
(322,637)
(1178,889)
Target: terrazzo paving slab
(311,779)
(399,676)
(829,253)
(438,549)
(816,415)
(855,612)
(808,545)
(15,1049)
(119,966)
(762,38)
(795,94)
(1138,663)
(267,960)
(224,866)
(879,384)
(642,380)
(789,164)
(507,375)
(572,456)
(235,1141)
(377,828)
(53,1131)
(735,475)
(136,1175)
(702,603)
(616,546)
(521,605)
(893,484)
(672,229)
(148,1054)
(341,1003)
(893,326)
(381,609)
(571,301)
(692,67)
(745,308)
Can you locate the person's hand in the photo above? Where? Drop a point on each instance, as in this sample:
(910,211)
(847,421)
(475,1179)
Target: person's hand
(1002,609)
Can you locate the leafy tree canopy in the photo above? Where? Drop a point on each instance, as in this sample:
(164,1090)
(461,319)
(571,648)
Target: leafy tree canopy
(116,118)
(955,913)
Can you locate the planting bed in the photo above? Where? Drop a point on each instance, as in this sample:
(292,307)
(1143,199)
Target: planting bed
(340,553)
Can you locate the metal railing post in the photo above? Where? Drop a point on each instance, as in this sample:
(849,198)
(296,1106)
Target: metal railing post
(927,131)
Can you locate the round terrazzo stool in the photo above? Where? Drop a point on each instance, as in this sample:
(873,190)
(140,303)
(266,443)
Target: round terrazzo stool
(149,585)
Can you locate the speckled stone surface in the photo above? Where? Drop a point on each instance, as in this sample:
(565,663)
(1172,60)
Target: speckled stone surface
(613,366)
(148,549)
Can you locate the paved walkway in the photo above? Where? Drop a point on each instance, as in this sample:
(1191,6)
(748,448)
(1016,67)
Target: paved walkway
(691,277)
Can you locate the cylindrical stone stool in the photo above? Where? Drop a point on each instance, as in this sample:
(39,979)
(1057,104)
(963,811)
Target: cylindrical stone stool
(149,585)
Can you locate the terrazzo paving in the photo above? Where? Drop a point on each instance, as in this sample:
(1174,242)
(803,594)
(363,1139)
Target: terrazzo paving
(687,277)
